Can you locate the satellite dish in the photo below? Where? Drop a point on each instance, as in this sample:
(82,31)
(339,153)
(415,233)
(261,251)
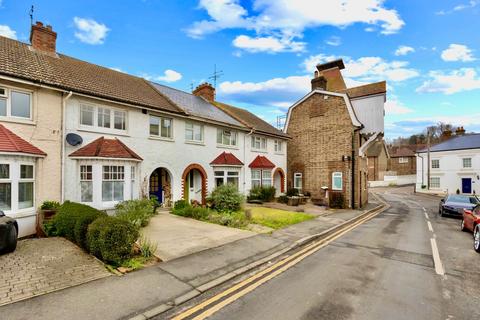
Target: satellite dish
(74,139)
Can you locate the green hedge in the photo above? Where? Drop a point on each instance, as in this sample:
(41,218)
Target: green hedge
(111,239)
(262,193)
(226,198)
(137,212)
(72,220)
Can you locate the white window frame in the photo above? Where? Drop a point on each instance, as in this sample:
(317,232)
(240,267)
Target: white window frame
(334,176)
(222,136)
(469,161)
(202,133)
(85,179)
(259,178)
(262,179)
(15,163)
(437,162)
(9,181)
(161,120)
(8,102)
(111,178)
(298,175)
(224,174)
(262,142)
(403,160)
(278,146)
(96,109)
(133,187)
(435,185)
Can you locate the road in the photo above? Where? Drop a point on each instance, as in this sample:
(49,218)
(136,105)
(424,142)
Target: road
(386,268)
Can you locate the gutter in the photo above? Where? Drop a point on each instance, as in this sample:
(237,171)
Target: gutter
(353,166)
(64,107)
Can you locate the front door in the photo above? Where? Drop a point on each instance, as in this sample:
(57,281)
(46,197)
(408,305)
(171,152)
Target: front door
(467,185)
(156,186)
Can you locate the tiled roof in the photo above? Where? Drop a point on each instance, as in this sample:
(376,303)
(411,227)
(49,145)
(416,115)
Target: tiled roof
(106,148)
(250,120)
(261,162)
(366,90)
(19,60)
(196,106)
(469,141)
(402,152)
(10,142)
(228,159)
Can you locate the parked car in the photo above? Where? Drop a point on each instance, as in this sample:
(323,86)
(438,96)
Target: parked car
(8,233)
(454,204)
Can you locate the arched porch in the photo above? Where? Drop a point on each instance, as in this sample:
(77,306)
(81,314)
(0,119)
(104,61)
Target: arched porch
(194,184)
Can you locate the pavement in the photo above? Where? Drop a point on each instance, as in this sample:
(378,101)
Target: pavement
(177,236)
(386,268)
(40,266)
(149,291)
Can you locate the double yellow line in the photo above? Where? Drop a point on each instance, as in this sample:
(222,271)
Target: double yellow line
(250,284)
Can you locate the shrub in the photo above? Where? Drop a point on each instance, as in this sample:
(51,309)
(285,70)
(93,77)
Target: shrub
(283,199)
(180,204)
(337,200)
(262,193)
(111,239)
(268,193)
(292,192)
(226,198)
(67,216)
(255,194)
(154,202)
(198,213)
(234,219)
(137,212)
(81,226)
(50,205)
(147,247)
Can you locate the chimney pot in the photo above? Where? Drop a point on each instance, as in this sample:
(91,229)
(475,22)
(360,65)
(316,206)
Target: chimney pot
(43,39)
(205,90)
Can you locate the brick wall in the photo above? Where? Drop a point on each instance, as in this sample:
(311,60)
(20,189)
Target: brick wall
(403,168)
(321,131)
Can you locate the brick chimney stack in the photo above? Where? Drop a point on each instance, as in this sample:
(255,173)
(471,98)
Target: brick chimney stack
(205,90)
(331,72)
(460,131)
(319,82)
(43,38)
(447,134)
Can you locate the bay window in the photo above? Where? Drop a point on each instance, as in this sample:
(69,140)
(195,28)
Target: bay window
(17,184)
(86,184)
(256,178)
(15,103)
(5,187)
(226,137)
(226,177)
(113,183)
(261,178)
(25,187)
(193,132)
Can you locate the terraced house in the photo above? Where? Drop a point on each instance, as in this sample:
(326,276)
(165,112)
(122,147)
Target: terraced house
(72,130)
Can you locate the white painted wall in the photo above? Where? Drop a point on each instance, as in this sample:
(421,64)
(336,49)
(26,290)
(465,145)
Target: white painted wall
(370,112)
(451,170)
(173,155)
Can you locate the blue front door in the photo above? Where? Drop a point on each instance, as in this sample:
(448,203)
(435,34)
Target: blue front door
(156,185)
(466,185)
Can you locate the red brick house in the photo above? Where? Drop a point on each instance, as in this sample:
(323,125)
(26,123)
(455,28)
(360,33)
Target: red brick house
(403,161)
(331,129)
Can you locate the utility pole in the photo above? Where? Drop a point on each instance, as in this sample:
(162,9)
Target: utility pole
(428,159)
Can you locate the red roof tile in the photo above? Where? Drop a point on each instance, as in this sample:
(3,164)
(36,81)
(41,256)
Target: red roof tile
(227,159)
(106,148)
(10,142)
(261,162)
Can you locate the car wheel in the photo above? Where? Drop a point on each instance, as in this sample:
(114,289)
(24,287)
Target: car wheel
(11,243)
(476,239)
(441,213)
(462,227)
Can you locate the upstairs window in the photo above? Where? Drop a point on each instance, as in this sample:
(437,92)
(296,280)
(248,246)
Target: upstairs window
(15,103)
(278,146)
(259,143)
(402,160)
(467,162)
(87,114)
(161,127)
(226,137)
(102,117)
(193,132)
(435,164)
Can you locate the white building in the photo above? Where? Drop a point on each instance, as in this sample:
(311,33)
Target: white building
(454,166)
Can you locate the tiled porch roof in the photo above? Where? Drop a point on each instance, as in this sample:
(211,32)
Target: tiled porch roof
(106,148)
(226,159)
(261,162)
(10,142)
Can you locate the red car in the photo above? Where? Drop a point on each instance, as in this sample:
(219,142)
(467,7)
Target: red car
(471,222)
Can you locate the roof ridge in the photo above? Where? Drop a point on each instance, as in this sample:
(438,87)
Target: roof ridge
(231,114)
(99,145)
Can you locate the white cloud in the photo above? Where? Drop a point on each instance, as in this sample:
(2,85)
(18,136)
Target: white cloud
(168,76)
(367,69)
(334,41)
(457,52)
(394,107)
(90,31)
(6,31)
(465,79)
(404,50)
(469,5)
(268,44)
(290,18)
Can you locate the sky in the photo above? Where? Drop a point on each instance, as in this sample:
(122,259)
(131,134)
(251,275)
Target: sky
(427,50)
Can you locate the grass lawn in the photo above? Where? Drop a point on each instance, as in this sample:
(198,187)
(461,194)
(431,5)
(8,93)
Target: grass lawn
(277,219)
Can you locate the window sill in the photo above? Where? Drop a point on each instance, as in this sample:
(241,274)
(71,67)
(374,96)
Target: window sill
(18,120)
(198,143)
(224,146)
(104,131)
(259,150)
(161,139)
(280,153)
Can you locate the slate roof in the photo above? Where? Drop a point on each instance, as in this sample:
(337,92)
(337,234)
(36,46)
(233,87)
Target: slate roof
(19,60)
(196,106)
(469,141)
(250,120)
(106,148)
(228,159)
(261,162)
(10,142)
